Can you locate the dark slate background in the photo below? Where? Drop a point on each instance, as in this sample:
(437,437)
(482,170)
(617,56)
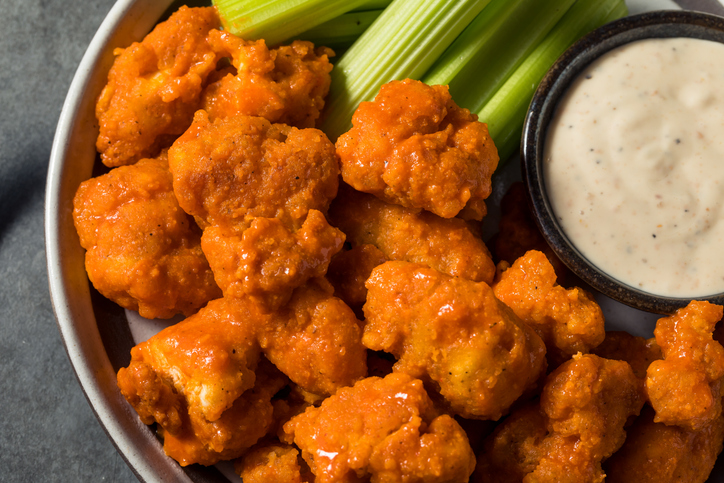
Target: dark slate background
(47,430)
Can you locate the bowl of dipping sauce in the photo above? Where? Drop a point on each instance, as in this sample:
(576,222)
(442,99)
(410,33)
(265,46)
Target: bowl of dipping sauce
(623,155)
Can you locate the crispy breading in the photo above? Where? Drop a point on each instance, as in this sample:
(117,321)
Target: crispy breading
(637,351)
(235,169)
(349,270)
(154,87)
(268,261)
(447,245)
(685,388)
(143,251)
(578,423)
(272,461)
(286,84)
(315,340)
(386,429)
(568,320)
(454,332)
(413,146)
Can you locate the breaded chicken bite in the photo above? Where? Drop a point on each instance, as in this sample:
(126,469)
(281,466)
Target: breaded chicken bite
(229,172)
(518,233)
(447,245)
(143,251)
(685,387)
(383,429)
(154,87)
(268,261)
(568,321)
(637,351)
(657,453)
(315,340)
(200,365)
(413,146)
(455,333)
(272,461)
(349,270)
(286,84)
(240,427)
(578,423)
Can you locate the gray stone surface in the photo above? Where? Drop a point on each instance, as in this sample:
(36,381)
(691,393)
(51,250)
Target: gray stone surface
(48,432)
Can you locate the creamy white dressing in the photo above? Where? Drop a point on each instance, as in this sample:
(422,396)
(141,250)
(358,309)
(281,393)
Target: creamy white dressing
(634,165)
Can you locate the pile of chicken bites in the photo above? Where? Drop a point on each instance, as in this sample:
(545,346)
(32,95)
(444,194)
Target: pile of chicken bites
(359,330)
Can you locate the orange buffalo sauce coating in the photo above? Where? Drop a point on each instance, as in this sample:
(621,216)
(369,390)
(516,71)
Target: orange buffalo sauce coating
(267,262)
(413,146)
(154,87)
(286,84)
(568,320)
(448,245)
(454,332)
(685,387)
(273,462)
(231,170)
(387,429)
(142,251)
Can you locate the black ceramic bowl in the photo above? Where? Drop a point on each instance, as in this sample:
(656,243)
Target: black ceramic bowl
(658,24)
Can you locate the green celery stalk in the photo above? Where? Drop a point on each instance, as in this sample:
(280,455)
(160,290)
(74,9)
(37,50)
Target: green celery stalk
(373,5)
(403,42)
(480,60)
(278,20)
(341,32)
(505,112)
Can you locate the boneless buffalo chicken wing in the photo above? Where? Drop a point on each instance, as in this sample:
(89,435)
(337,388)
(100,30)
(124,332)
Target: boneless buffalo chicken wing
(455,333)
(578,422)
(142,251)
(268,261)
(232,170)
(154,87)
(447,245)
(413,146)
(685,386)
(568,320)
(286,84)
(386,429)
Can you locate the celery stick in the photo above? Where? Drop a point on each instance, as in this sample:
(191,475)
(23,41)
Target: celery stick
(342,31)
(403,42)
(279,20)
(373,5)
(480,60)
(505,112)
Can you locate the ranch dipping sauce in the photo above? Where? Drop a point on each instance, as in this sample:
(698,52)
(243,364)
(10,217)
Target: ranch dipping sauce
(634,165)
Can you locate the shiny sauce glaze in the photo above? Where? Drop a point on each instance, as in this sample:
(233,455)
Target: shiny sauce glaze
(634,165)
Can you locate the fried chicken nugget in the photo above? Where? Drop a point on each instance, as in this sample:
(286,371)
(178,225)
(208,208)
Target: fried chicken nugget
(657,453)
(154,87)
(685,387)
(235,169)
(273,462)
(238,429)
(267,262)
(454,332)
(315,340)
(568,321)
(286,84)
(200,365)
(578,423)
(386,429)
(143,251)
(447,245)
(413,146)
